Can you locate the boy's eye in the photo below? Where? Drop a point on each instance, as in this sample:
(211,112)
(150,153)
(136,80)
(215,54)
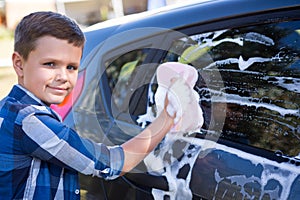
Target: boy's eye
(50,64)
(71,67)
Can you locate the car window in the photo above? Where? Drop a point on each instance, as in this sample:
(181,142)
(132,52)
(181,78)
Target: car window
(120,74)
(260,71)
(129,84)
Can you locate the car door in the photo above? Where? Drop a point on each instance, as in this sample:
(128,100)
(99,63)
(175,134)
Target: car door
(249,80)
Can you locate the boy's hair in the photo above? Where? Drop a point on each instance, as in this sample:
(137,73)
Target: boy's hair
(45,23)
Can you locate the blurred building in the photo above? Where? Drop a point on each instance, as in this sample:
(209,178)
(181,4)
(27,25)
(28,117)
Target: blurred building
(85,12)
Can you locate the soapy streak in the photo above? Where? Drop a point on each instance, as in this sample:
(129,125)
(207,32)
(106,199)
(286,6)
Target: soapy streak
(249,101)
(242,64)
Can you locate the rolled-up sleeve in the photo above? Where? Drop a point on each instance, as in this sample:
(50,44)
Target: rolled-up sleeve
(116,163)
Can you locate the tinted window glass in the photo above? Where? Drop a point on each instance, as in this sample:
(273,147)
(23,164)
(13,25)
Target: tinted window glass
(260,70)
(121,76)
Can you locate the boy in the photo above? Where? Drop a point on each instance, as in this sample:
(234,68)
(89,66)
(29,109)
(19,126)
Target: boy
(40,157)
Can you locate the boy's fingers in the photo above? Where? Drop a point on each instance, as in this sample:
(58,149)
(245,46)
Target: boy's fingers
(170,111)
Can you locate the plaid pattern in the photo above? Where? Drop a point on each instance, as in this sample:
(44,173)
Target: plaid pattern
(40,156)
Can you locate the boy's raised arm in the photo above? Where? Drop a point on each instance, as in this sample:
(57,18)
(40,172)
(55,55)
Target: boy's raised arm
(138,147)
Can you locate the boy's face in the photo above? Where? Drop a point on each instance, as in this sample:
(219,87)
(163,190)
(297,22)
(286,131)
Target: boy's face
(50,72)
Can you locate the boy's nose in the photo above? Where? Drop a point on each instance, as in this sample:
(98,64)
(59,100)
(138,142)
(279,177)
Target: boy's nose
(61,75)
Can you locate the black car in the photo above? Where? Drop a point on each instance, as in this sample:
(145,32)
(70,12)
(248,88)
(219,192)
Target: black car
(247,55)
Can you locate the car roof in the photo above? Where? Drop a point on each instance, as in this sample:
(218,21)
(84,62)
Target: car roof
(141,15)
(176,16)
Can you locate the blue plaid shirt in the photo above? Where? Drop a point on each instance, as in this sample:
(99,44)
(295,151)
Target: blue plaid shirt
(40,157)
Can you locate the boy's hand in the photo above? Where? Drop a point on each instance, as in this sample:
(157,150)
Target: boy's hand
(175,95)
(183,104)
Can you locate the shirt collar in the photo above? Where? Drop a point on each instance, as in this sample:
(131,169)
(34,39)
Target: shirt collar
(29,98)
(29,94)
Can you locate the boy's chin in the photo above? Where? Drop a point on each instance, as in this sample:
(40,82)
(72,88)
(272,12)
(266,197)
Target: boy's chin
(54,101)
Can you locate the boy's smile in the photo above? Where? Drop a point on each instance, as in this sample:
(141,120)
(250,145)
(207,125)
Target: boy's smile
(48,73)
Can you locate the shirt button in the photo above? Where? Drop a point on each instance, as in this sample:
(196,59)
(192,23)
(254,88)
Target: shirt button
(77,191)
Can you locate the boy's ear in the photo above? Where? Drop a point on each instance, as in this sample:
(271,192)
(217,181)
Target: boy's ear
(18,60)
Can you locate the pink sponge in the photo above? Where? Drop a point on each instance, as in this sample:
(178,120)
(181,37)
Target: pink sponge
(176,81)
(169,70)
